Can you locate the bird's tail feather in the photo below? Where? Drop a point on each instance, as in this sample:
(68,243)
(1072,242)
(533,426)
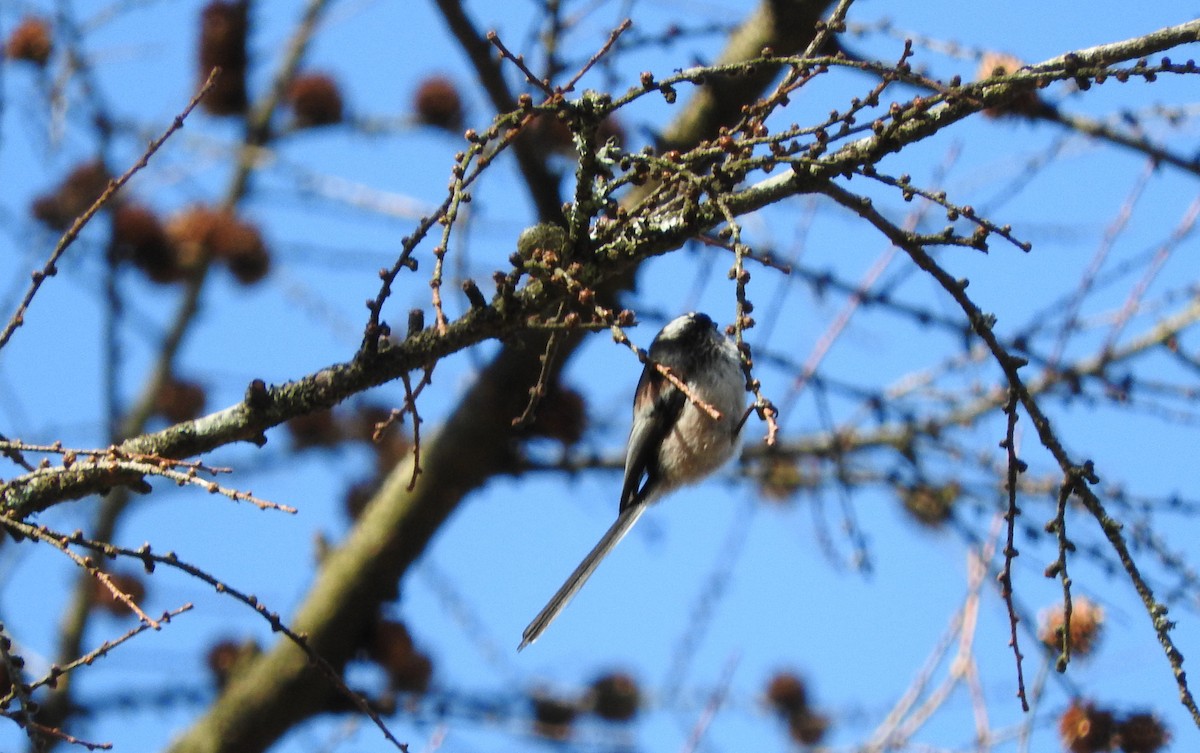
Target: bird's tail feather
(559,601)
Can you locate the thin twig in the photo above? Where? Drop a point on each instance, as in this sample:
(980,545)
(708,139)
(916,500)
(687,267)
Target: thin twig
(50,268)
(613,36)
(1014,466)
(715,701)
(1059,567)
(150,559)
(538,390)
(620,337)
(1133,301)
(43,729)
(981,324)
(62,544)
(1088,280)
(519,61)
(100,651)
(410,405)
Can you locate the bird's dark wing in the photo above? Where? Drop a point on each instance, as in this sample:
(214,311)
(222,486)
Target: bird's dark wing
(665,402)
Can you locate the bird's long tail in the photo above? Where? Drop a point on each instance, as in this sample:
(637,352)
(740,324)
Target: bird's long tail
(559,601)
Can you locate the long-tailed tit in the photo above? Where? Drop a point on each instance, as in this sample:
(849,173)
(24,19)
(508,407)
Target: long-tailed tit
(674,441)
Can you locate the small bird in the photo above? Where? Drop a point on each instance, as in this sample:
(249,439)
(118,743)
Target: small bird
(673,440)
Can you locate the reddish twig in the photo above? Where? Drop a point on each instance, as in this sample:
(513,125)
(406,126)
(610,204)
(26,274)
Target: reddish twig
(1088,281)
(182,472)
(63,544)
(150,559)
(1182,231)
(31,726)
(410,405)
(519,61)
(620,336)
(604,49)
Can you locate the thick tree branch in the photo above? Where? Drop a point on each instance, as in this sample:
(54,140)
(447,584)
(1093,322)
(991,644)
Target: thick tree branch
(473,446)
(619,250)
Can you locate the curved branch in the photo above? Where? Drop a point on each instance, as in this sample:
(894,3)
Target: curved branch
(1077,476)
(281,689)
